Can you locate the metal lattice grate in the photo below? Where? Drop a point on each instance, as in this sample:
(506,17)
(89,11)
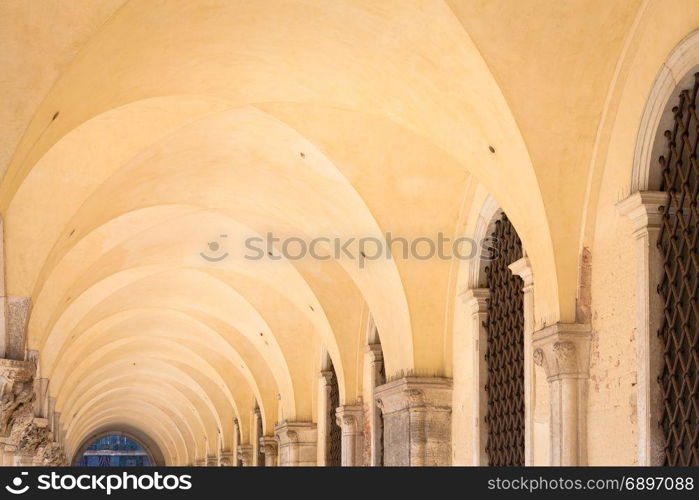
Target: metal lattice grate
(505,350)
(678,245)
(335,438)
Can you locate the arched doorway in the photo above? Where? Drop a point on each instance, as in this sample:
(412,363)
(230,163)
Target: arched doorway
(504,357)
(115,450)
(678,245)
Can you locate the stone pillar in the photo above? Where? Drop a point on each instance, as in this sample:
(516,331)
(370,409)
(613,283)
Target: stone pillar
(563,350)
(350,418)
(236,442)
(323,411)
(644,210)
(225,459)
(476,301)
(269,447)
(297,443)
(211,461)
(256,435)
(375,355)
(417,420)
(523,269)
(245,455)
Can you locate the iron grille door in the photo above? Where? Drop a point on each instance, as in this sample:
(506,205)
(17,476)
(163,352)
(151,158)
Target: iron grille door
(335,437)
(678,287)
(505,350)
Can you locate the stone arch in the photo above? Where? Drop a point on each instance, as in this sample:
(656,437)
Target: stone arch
(154,454)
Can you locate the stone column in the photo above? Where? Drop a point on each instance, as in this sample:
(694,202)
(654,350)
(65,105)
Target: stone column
(476,301)
(563,350)
(225,459)
(417,420)
(297,443)
(269,447)
(323,411)
(211,461)
(375,355)
(523,269)
(644,210)
(245,455)
(256,419)
(350,418)
(236,442)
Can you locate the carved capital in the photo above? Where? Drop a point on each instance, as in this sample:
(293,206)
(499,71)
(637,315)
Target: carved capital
(563,350)
(644,210)
(414,393)
(16,391)
(245,454)
(269,446)
(374,352)
(326,377)
(350,418)
(32,437)
(52,454)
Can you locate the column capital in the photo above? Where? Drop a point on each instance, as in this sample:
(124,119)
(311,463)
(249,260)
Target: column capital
(374,351)
(476,299)
(414,392)
(350,418)
(417,419)
(269,447)
(523,269)
(245,454)
(225,459)
(297,443)
(644,209)
(563,350)
(326,376)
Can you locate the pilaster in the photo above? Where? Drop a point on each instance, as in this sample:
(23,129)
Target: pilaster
(644,210)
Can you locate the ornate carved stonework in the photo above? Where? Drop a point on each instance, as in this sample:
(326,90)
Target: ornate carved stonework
(563,350)
(417,421)
(350,419)
(245,454)
(16,392)
(297,443)
(52,454)
(269,447)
